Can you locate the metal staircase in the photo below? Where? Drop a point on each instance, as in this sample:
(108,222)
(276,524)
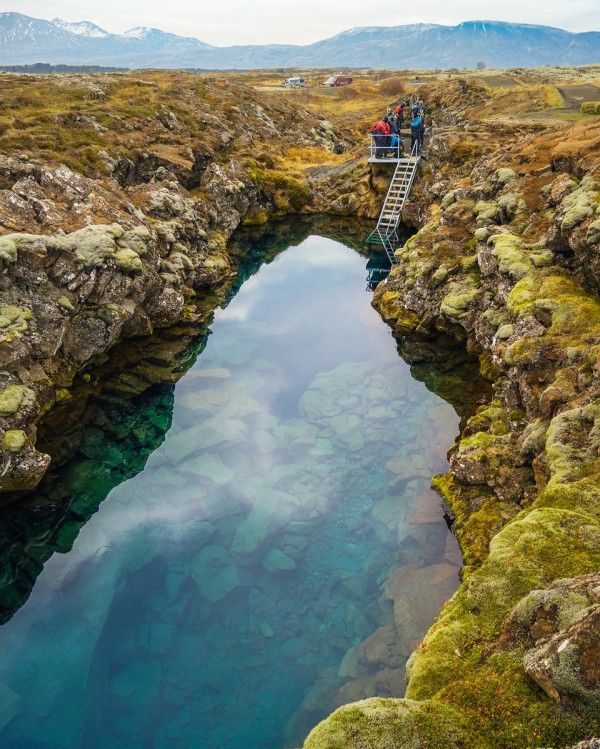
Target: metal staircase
(386,232)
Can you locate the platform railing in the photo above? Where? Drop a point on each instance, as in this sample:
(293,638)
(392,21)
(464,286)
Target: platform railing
(381,148)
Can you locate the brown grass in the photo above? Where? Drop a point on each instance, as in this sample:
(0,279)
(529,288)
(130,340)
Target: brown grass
(393,86)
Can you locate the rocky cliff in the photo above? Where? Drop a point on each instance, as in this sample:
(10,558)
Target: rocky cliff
(118,239)
(506,260)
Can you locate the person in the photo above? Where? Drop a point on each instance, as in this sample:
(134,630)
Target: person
(380,131)
(399,111)
(415,131)
(422,131)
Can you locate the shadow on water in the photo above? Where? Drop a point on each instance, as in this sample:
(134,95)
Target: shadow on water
(105,435)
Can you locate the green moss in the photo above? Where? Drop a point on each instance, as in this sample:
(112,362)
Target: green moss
(391,309)
(478,516)
(14,439)
(492,418)
(487,211)
(92,245)
(454,663)
(286,192)
(13,398)
(457,302)
(542,259)
(381,723)
(590,107)
(521,297)
(65,303)
(504,175)
(505,331)
(13,321)
(578,205)
(128,260)
(8,249)
(510,253)
(440,275)
(136,240)
(469,263)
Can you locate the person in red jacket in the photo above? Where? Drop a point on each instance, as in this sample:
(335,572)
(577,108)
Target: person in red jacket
(399,112)
(380,131)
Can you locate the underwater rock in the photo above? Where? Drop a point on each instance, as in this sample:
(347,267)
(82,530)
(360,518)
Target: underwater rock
(214,573)
(209,433)
(275,559)
(209,465)
(385,648)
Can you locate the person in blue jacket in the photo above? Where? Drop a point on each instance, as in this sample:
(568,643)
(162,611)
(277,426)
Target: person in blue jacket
(416,131)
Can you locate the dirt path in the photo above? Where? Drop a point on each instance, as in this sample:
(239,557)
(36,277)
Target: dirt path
(575,96)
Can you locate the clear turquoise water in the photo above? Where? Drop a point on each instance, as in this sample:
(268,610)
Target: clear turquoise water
(221,596)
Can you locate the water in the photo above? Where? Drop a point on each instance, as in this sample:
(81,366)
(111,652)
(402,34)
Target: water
(278,554)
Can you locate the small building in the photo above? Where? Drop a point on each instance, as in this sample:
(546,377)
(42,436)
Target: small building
(339,80)
(294,82)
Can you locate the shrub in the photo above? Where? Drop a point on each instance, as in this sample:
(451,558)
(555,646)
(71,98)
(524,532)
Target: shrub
(590,107)
(392,86)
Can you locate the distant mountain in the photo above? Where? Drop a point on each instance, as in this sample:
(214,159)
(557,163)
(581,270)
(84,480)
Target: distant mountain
(25,40)
(81,28)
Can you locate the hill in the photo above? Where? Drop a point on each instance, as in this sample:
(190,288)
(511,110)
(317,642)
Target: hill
(26,40)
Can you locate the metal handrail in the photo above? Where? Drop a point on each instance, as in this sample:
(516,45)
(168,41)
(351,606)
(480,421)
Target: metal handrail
(414,156)
(380,145)
(380,149)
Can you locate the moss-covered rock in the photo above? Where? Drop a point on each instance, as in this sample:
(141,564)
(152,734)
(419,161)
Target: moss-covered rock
(128,260)
(64,302)
(578,206)
(459,299)
(488,212)
(14,397)
(93,245)
(13,321)
(8,249)
(511,255)
(14,439)
(388,724)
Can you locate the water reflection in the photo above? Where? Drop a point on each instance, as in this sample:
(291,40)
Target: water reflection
(270,547)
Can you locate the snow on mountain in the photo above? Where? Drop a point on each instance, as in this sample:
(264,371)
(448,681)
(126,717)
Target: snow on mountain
(81,28)
(25,40)
(138,32)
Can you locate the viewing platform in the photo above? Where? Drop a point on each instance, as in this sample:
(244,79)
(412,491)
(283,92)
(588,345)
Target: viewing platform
(382,153)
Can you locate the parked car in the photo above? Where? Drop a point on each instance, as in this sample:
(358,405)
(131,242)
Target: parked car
(339,80)
(294,82)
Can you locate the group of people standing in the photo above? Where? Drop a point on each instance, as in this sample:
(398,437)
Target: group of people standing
(387,132)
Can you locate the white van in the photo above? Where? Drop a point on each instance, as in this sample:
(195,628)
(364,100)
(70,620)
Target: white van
(295,82)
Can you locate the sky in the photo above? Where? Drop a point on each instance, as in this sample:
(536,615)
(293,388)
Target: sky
(225,22)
